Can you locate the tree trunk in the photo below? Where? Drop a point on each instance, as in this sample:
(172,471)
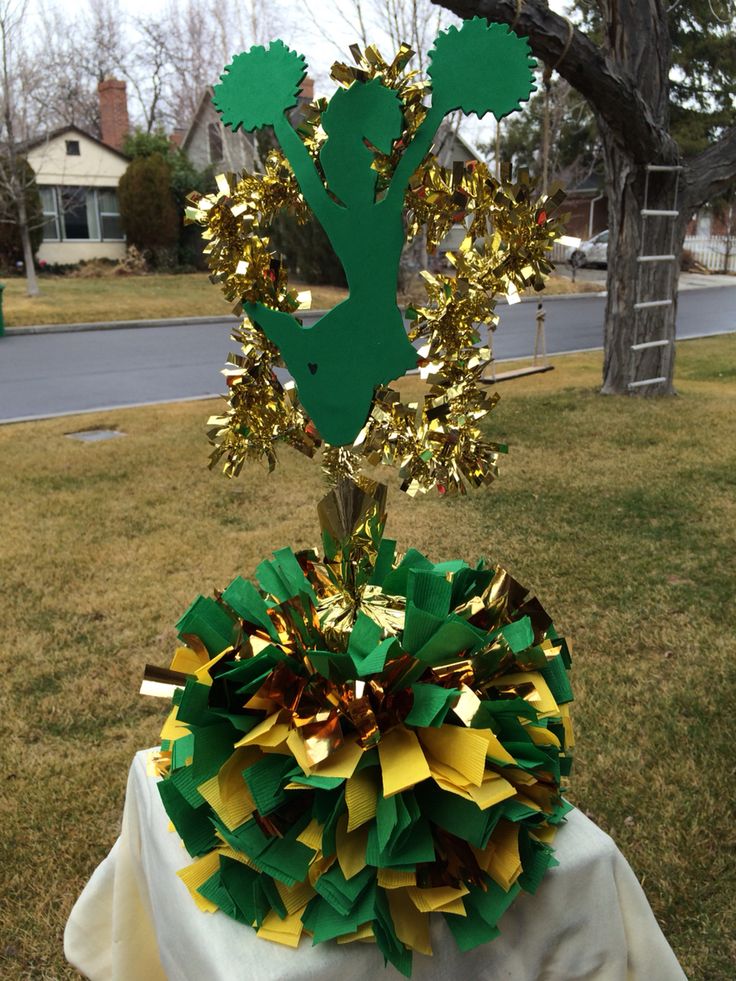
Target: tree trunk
(631,282)
(18,187)
(32,288)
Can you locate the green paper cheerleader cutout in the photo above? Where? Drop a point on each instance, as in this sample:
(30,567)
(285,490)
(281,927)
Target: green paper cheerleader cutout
(361,343)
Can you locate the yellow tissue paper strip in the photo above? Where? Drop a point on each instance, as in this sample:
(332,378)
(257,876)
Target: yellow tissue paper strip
(173,728)
(298,750)
(395,878)
(429,900)
(520,778)
(492,792)
(541,697)
(462,749)
(411,926)
(363,933)
(312,835)
(230,799)
(266,733)
(449,774)
(202,674)
(319,866)
(456,907)
(351,846)
(361,798)
(543,737)
(505,864)
(287,931)
(187,661)
(227,852)
(403,763)
(296,897)
(544,832)
(450,787)
(342,762)
(196,874)
(567,725)
(495,751)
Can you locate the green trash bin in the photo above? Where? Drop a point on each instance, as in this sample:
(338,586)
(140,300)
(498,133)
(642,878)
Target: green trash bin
(2,319)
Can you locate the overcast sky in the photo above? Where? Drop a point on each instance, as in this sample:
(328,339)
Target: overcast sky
(314,27)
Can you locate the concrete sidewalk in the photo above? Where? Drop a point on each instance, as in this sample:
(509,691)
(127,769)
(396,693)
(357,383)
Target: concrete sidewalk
(687,281)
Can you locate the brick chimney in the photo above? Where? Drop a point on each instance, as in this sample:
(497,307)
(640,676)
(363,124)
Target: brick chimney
(306,90)
(114,122)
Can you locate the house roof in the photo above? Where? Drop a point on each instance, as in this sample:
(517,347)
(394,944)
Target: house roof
(590,186)
(201,106)
(61,131)
(469,146)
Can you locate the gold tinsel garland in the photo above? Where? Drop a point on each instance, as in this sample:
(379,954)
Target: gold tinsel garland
(509,233)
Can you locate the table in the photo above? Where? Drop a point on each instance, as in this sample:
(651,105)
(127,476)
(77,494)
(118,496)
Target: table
(135,921)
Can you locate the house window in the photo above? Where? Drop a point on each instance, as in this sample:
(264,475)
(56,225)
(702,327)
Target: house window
(81,214)
(50,214)
(107,207)
(214,134)
(72,148)
(78,215)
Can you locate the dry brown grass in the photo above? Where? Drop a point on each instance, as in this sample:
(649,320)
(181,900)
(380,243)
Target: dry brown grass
(555,285)
(69,300)
(620,512)
(102,298)
(562,285)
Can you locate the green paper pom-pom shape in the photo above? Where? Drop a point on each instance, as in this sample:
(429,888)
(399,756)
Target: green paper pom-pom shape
(259,86)
(481,68)
(342,781)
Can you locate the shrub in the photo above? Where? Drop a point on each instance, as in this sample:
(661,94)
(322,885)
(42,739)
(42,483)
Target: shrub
(147,209)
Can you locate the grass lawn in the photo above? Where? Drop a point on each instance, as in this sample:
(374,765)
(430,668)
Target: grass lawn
(620,512)
(70,300)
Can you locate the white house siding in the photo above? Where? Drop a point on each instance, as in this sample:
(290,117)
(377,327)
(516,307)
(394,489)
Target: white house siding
(237,148)
(94,167)
(68,253)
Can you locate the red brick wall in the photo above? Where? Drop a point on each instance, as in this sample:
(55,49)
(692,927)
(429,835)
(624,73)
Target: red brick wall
(114,122)
(579,209)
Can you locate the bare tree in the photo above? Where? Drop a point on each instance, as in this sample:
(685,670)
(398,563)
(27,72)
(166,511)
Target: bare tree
(15,175)
(414,22)
(626,80)
(149,72)
(197,38)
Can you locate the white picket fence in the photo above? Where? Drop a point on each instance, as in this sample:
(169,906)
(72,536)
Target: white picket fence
(709,251)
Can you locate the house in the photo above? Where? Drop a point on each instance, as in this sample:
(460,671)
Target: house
(588,207)
(208,143)
(77,176)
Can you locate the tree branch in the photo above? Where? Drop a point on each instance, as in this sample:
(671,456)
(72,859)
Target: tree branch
(712,170)
(607,86)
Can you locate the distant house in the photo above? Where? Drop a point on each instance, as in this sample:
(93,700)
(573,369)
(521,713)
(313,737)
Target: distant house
(208,143)
(77,177)
(587,205)
(450,146)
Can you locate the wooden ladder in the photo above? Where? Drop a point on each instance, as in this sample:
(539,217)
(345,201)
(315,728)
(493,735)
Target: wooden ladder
(641,304)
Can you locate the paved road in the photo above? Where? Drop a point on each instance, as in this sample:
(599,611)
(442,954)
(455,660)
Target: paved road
(57,374)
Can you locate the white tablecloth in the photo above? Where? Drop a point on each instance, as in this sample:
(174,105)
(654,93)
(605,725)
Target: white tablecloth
(135,921)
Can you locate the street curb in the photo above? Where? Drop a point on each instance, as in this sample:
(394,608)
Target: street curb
(112,325)
(19,420)
(206,321)
(212,321)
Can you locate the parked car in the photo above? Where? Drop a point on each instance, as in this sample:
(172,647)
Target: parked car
(594,252)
